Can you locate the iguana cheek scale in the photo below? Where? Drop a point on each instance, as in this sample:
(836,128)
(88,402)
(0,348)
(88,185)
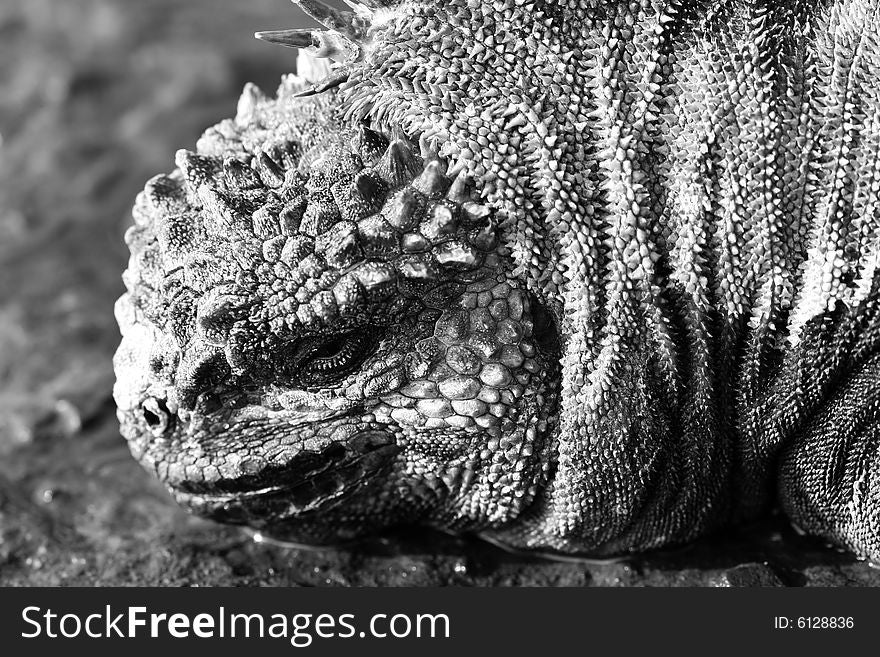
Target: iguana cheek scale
(582,276)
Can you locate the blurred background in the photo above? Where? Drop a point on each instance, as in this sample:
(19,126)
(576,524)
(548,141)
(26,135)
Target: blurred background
(95,98)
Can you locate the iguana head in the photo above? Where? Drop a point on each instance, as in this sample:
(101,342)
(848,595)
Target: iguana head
(322,335)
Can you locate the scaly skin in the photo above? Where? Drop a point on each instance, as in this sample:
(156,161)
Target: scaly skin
(580,276)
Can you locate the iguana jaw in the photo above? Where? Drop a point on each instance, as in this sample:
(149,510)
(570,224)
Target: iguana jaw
(263,466)
(310,481)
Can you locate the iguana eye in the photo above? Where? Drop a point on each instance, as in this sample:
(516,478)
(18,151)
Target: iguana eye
(335,356)
(157,416)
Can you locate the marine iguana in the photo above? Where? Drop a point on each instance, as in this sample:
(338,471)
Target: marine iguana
(586,276)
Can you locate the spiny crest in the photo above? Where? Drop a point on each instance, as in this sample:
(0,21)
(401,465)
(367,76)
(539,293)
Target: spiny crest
(343,42)
(244,252)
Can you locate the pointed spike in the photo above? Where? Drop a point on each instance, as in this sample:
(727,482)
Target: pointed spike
(402,210)
(347,23)
(197,169)
(223,215)
(288,38)
(369,188)
(364,197)
(317,43)
(240,175)
(458,168)
(462,188)
(397,134)
(362,7)
(167,194)
(398,165)
(369,144)
(432,182)
(271,173)
(251,98)
(324,85)
(427,147)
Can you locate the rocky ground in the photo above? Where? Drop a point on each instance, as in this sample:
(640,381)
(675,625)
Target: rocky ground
(95,97)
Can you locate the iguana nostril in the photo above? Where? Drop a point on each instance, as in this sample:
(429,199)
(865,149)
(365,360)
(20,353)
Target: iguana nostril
(152,419)
(157,416)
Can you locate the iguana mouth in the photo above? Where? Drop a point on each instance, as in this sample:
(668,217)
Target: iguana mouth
(311,480)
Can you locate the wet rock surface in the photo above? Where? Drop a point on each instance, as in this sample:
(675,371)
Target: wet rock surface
(96,97)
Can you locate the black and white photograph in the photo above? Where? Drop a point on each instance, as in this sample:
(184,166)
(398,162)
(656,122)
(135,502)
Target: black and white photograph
(411,293)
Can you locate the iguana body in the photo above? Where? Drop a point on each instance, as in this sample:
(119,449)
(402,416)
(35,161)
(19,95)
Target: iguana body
(629,298)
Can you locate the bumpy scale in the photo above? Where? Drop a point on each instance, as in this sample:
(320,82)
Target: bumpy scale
(575,275)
